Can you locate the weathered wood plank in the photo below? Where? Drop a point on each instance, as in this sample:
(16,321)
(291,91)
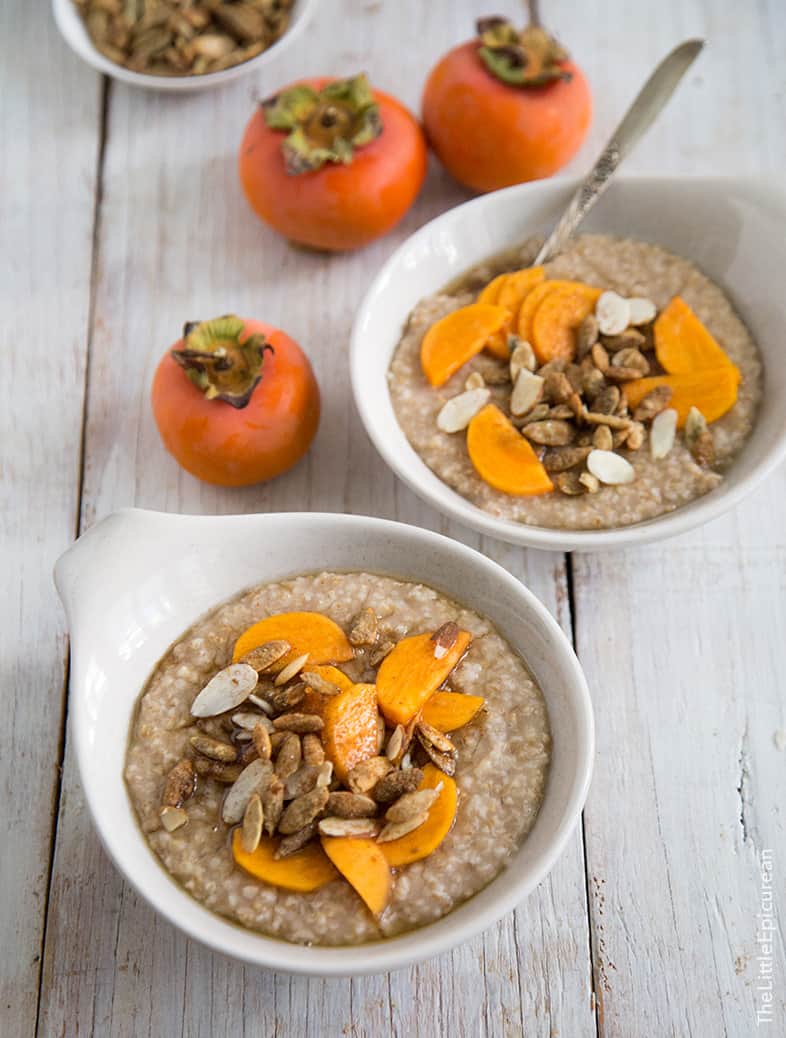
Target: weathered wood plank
(169,252)
(682,643)
(50,123)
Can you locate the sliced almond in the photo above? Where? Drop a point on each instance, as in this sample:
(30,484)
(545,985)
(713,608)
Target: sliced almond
(225,690)
(641,310)
(610,468)
(395,742)
(254,778)
(474,381)
(527,391)
(458,412)
(172,817)
(613,313)
(291,670)
(351,827)
(662,433)
(522,359)
(444,639)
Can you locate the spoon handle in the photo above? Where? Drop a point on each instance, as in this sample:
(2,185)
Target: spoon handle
(652,97)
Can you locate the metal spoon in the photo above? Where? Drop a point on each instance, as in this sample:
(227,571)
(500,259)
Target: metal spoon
(652,97)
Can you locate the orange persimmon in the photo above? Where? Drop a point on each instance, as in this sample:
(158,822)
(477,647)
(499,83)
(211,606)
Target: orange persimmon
(332,164)
(427,837)
(533,300)
(511,293)
(713,392)
(314,633)
(505,107)
(556,319)
(490,292)
(411,673)
(235,401)
(683,344)
(364,865)
(305,870)
(455,338)
(448,711)
(503,457)
(350,733)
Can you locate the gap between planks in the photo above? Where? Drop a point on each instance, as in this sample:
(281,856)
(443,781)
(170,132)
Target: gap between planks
(103,126)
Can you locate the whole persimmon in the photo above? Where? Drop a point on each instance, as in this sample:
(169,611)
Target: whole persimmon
(236,401)
(331,163)
(506,107)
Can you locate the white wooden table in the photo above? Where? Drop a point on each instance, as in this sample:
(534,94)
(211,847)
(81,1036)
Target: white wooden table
(121,217)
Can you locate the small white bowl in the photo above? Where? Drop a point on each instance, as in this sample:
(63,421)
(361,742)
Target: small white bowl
(733,228)
(78,39)
(135,582)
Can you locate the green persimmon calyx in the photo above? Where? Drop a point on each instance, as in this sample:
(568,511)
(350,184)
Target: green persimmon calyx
(529,58)
(324,125)
(218,363)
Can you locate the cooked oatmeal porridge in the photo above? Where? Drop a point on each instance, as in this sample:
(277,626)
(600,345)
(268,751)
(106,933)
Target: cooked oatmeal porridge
(338,757)
(639,387)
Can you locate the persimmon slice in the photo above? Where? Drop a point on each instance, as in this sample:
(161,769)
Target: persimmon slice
(318,635)
(427,837)
(363,864)
(304,871)
(448,711)
(683,344)
(458,337)
(350,732)
(411,673)
(490,292)
(502,457)
(554,322)
(713,392)
(514,289)
(533,301)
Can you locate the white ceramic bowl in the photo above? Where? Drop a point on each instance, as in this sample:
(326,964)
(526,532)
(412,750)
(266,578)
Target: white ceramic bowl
(136,581)
(78,39)
(733,228)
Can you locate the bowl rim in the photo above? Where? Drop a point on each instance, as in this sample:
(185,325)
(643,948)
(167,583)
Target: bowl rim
(76,36)
(448,501)
(412,946)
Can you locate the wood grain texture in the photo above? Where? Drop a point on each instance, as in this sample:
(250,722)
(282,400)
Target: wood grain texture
(682,643)
(177,242)
(47,200)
